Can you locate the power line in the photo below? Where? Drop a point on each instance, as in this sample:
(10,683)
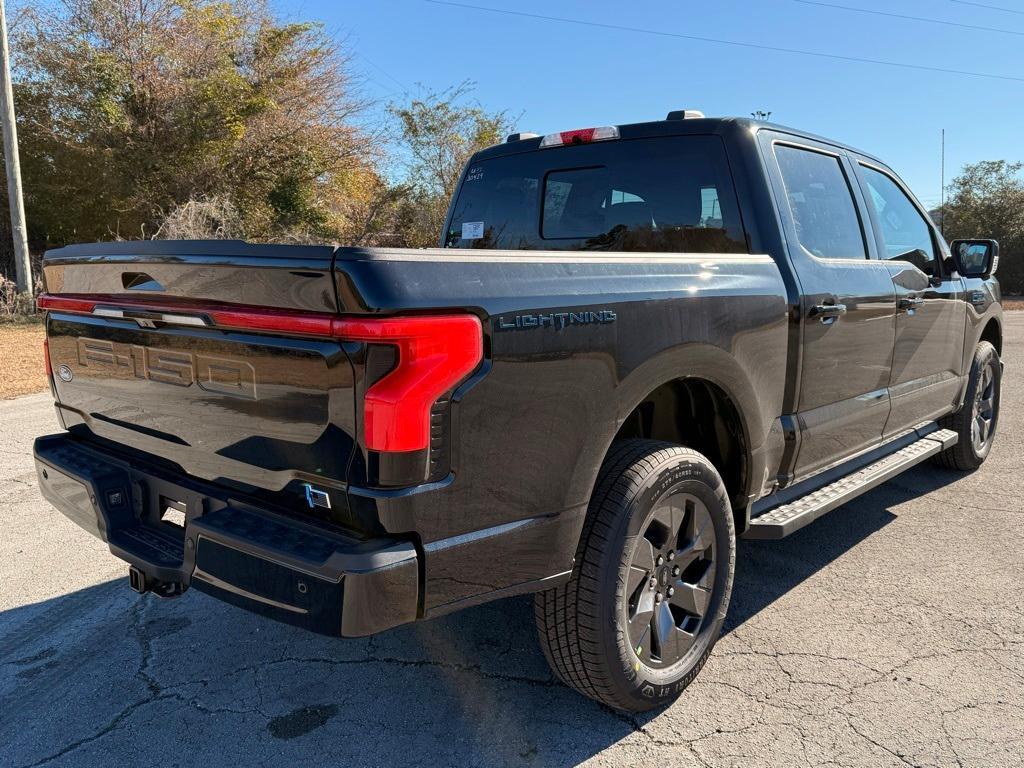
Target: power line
(990,7)
(383,88)
(910,18)
(378,67)
(721,41)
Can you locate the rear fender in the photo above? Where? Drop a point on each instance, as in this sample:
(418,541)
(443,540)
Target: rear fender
(694,360)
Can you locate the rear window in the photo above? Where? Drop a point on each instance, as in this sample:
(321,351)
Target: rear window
(671,194)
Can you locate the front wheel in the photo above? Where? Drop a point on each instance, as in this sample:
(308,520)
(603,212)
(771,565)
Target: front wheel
(975,422)
(651,584)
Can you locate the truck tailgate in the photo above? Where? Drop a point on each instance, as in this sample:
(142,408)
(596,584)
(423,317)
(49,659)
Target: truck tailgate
(141,360)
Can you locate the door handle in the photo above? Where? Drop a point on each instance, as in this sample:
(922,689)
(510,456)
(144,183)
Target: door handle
(909,302)
(827,313)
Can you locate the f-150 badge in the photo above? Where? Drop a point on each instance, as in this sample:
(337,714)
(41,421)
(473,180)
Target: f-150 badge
(182,368)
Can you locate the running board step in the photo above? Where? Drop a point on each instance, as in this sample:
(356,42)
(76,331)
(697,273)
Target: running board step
(783,520)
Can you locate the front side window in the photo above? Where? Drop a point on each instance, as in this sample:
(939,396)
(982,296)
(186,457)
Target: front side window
(905,234)
(668,194)
(819,196)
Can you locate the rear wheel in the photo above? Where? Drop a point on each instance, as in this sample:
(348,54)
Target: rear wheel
(652,579)
(975,423)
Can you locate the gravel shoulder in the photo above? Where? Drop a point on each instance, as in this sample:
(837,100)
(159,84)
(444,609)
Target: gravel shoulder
(21,350)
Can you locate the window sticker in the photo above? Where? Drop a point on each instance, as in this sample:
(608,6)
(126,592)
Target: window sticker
(472,230)
(475,174)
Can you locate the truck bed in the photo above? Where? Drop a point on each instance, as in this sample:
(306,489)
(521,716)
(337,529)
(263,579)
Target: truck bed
(268,409)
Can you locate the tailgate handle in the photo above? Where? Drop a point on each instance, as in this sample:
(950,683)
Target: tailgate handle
(139,281)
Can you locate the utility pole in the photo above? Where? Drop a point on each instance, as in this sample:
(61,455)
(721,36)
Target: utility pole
(23,267)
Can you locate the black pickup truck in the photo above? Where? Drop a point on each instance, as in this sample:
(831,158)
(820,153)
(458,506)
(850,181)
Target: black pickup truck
(634,344)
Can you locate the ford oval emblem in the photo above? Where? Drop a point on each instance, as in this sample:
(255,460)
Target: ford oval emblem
(65,373)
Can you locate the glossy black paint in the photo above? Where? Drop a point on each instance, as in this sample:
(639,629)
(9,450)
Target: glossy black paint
(841,400)
(254,411)
(496,505)
(221,271)
(927,367)
(518,450)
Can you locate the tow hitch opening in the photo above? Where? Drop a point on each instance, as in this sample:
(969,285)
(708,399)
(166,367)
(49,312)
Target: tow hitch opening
(141,583)
(137,580)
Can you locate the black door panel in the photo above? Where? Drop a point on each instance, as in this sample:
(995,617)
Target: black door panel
(844,399)
(927,361)
(848,303)
(931,313)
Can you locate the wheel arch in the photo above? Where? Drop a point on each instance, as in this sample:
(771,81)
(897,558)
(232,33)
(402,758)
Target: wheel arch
(696,412)
(993,334)
(700,397)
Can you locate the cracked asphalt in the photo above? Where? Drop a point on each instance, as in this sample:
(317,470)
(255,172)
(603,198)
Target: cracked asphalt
(890,632)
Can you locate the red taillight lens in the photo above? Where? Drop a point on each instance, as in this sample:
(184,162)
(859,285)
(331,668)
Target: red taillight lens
(62,303)
(435,352)
(580,136)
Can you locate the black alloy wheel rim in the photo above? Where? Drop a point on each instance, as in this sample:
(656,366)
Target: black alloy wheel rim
(670,581)
(984,413)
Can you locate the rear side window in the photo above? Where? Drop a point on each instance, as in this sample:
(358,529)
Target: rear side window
(906,236)
(670,194)
(819,196)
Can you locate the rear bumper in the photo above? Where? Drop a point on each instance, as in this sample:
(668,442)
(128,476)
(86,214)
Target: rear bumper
(295,571)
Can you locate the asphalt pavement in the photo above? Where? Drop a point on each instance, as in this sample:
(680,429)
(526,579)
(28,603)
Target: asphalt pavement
(890,632)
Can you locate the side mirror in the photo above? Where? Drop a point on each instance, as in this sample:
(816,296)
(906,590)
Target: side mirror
(975,258)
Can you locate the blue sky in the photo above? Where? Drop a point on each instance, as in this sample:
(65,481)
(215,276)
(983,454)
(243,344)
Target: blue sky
(561,76)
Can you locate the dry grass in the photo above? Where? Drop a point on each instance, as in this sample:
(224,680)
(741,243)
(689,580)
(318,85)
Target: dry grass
(1013,302)
(21,358)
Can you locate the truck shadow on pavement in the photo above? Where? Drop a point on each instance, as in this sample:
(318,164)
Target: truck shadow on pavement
(101,675)
(767,570)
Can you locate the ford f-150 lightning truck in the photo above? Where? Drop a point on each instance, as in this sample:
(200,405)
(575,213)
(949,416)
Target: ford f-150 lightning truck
(634,344)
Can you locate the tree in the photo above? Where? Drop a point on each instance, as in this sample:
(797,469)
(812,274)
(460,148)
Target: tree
(987,200)
(131,110)
(439,132)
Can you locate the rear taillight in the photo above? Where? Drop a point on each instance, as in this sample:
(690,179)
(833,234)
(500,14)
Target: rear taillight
(64,303)
(579,136)
(435,353)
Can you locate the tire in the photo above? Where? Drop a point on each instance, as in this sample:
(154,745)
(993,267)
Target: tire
(592,628)
(981,406)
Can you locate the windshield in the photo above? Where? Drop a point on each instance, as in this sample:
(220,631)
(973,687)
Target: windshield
(669,194)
